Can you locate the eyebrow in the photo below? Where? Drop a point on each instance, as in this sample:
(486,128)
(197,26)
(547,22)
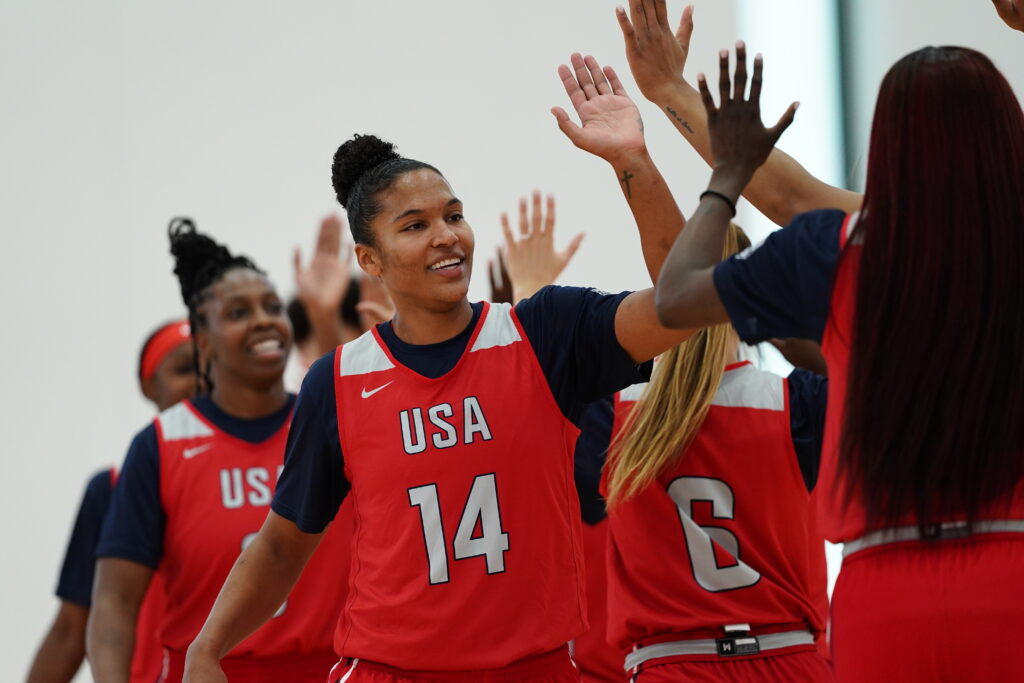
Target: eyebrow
(454,200)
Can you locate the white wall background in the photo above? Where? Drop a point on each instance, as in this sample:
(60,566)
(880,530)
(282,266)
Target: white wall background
(117,116)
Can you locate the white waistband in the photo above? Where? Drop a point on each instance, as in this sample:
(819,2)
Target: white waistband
(946,530)
(711,646)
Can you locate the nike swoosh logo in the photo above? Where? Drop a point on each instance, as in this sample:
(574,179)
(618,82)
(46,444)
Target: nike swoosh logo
(368,394)
(193,452)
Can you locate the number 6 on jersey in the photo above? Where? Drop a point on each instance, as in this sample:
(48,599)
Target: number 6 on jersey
(481,505)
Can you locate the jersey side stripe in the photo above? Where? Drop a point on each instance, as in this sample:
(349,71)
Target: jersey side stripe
(363,356)
(178,422)
(498,329)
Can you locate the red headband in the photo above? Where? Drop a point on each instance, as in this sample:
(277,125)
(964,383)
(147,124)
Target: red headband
(165,340)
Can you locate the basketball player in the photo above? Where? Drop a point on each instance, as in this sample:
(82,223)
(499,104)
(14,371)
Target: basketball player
(197,483)
(452,429)
(716,568)
(922,456)
(166,376)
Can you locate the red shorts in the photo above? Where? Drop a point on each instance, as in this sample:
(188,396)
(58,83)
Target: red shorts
(806,667)
(941,611)
(555,666)
(312,667)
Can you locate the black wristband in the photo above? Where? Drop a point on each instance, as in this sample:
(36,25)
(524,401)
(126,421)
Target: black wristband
(711,193)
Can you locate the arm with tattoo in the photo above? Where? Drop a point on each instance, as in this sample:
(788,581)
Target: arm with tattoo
(610,127)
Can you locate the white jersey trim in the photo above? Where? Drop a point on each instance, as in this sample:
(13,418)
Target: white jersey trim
(851,223)
(633,392)
(364,355)
(748,387)
(499,329)
(178,422)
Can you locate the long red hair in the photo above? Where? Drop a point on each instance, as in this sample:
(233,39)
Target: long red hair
(934,419)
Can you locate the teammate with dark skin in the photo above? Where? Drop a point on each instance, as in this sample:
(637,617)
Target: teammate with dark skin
(243,338)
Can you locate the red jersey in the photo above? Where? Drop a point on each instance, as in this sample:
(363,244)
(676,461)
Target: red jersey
(216,491)
(724,536)
(840,521)
(466,550)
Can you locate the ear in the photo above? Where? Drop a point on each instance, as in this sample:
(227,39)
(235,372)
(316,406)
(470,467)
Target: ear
(149,388)
(369,260)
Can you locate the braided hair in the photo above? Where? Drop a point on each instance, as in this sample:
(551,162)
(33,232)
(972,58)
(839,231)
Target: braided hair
(364,167)
(199,262)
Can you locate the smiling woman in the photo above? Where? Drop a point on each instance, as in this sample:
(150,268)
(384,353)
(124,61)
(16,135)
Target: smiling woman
(452,428)
(197,482)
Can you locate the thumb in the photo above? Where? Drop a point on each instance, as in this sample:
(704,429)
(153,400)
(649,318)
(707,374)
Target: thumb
(685,30)
(378,312)
(784,122)
(297,261)
(566,125)
(573,247)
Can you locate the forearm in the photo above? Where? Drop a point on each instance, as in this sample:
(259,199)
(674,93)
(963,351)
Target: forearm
(63,649)
(111,639)
(654,209)
(780,189)
(682,295)
(257,586)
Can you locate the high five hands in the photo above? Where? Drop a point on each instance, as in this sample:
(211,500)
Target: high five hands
(739,141)
(610,126)
(655,54)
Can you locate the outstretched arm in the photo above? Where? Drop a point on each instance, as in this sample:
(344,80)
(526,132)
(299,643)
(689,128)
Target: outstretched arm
(686,294)
(257,586)
(781,188)
(611,128)
(533,262)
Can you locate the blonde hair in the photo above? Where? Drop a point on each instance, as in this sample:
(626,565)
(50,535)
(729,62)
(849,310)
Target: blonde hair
(665,419)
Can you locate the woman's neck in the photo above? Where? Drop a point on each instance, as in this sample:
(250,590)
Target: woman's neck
(246,402)
(416,325)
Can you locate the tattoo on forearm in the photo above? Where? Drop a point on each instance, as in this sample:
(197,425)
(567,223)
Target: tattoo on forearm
(678,118)
(626,177)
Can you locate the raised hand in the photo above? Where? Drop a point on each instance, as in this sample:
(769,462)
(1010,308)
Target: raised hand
(1011,12)
(532,260)
(655,54)
(610,125)
(323,283)
(739,141)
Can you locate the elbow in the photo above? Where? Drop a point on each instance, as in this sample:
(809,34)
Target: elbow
(667,307)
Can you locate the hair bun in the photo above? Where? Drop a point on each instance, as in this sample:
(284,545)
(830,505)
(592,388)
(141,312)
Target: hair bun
(193,252)
(354,158)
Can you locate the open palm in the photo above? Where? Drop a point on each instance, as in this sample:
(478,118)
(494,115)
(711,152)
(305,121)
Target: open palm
(610,124)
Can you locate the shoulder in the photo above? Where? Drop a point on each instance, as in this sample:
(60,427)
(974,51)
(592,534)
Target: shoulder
(555,307)
(178,422)
(101,483)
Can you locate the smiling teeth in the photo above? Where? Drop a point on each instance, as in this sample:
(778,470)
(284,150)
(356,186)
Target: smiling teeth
(444,264)
(266,346)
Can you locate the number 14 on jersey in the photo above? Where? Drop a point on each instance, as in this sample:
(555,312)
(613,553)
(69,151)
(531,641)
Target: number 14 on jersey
(481,507)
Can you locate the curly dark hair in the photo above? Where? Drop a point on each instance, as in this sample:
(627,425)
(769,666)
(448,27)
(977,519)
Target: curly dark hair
(363,167)
(199,262)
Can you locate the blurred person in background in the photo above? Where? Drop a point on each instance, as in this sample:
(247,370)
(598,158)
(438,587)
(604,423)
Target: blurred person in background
(197,482)
(166,375)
